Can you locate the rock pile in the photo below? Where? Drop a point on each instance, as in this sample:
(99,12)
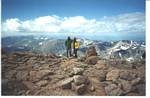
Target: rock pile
(33,74)
(91,56)
(78,82)
(123,82)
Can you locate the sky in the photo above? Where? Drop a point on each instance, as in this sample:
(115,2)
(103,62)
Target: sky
(100,18)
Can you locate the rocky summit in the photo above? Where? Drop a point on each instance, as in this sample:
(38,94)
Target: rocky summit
(27,73)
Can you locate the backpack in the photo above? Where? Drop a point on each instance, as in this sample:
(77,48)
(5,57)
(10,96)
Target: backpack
(77,45)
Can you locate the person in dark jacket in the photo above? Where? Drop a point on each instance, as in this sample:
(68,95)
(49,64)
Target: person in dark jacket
(68,43)
(144,55)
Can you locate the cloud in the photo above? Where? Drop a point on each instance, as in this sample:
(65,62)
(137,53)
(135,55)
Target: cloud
(11,25)
(124,23)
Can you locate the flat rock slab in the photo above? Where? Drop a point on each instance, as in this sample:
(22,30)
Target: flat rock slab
(38,75)
(112,75)
(78,79)
(66,83)
(78,71)
(79,89)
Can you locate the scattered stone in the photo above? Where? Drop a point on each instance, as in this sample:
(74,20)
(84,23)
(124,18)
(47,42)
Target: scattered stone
(22,75)
(113,90)
(79,89)
(127,75)
(135,81)
(78,79)
(66,84)
(101,66)
(10,74)
(42,62)
(29,85)
(102,75)
(38,78)
(112,75)
(78,71)
(81,59)
(92,88)
(140,89)
(38,75)
(92,60)
(126,85)
(42,83)
(106,83)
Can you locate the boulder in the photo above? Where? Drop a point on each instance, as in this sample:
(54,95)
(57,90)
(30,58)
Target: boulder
(38,75)
(127,75)
(112,75)
(66,83)
(135,81)
(32,75)
(102,75)
(92,88)
(22,75)
(29,85)
(10,74)
(101,66)
(140,89)
(126,85)
(78,79)
(113,90)
(91,51)
(42,83)
(78,71)
(91,60)
(79,89)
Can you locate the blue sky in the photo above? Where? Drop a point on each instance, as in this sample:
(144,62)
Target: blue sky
(112,17)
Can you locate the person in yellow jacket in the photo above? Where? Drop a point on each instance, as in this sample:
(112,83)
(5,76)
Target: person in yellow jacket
(76,46)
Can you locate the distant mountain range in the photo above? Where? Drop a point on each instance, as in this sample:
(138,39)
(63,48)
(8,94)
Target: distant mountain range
(122,49)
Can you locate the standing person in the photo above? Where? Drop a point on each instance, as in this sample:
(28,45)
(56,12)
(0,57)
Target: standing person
(76,46)
(68,46)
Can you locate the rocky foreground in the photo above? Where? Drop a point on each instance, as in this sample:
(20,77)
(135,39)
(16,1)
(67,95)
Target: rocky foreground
(33,74)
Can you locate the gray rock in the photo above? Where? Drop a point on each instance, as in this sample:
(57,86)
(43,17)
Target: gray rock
(127,75)
(38,75)
(22,75)
(78,71)
(113,90)
(92,60)
(78,79)
(135,81)
(29,85)
(140,89)
(112,75)
(10,74)
(42,83)
(102,75)
(92,88)
(106,83)
(79,89)
(91,51)
(66,84)
(127,87)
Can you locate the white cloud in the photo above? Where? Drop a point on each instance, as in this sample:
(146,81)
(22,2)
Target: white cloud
(11,25)
(124,23)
